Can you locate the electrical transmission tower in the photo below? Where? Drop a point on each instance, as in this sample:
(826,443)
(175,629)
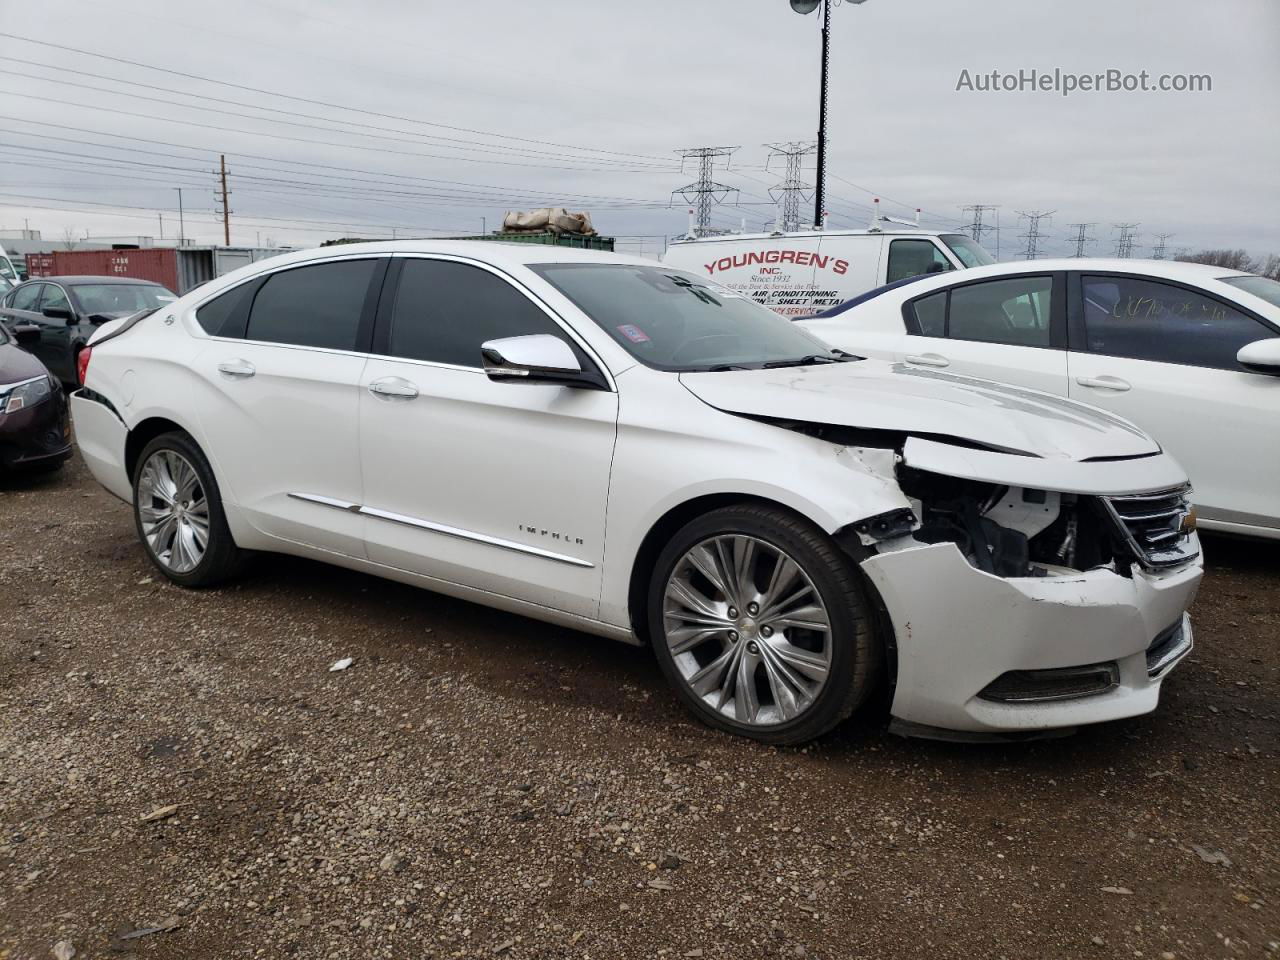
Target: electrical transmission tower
(1080,237)
(976,226)
(791,189)
(1033,235)
(1158,252)
(704,192)
(1124,243)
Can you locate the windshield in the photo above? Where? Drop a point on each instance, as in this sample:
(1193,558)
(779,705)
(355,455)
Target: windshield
(968,252)
(1264,287)
(6,270)
(676,321)
(120,299)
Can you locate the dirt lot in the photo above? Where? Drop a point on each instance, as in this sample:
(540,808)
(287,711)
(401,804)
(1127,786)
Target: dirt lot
(478,785)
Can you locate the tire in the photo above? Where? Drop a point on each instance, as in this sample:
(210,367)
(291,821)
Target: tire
(801,680)
(220,559)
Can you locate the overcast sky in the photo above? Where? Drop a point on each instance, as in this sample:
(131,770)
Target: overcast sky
(464,110)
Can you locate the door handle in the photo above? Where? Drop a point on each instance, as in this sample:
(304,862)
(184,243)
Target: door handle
(928,360)
(1105,383)
(237,369)
(393,388)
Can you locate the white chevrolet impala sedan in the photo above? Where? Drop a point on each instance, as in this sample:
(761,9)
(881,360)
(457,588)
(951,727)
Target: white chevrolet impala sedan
(633,451)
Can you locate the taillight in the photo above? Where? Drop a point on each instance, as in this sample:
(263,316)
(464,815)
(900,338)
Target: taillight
(82,364)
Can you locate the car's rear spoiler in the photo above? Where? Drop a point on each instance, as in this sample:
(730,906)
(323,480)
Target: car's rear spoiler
(109,331)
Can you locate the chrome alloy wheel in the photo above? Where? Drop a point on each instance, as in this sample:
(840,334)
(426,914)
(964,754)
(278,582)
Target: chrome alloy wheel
(747,630)
(173,511)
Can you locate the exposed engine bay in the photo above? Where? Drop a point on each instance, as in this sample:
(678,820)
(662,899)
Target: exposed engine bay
(1011,531)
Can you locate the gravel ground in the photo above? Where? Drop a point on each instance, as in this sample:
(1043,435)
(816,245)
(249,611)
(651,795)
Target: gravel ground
(182,776)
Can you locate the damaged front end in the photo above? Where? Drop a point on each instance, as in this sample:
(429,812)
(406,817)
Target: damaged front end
(1022,607)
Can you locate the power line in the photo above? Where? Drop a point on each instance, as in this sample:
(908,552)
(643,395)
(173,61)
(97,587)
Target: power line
(791,189)
(331,126)
(327,143)
(704,191)
(1033,235)
(320,103)
(1124,243)
(1081,237)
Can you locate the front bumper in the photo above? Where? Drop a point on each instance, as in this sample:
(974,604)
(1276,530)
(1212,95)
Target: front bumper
(958,629)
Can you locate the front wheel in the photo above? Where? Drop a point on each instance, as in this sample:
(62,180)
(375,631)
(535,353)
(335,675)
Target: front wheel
(762,625)
(178,513)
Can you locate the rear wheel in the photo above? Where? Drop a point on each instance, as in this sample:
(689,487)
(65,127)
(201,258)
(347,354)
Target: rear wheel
(762,625)
(178,513)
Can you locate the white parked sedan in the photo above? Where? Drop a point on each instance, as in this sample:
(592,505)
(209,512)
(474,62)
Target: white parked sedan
(637,452)
(1188,352)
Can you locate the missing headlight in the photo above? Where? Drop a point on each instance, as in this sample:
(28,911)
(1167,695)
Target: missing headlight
(1010,531)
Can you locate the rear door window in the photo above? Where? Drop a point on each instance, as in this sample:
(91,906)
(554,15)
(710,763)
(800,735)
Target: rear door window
(1146,320)
(224,315)
(315,306)
(928,316)
(909,258)
(1015,311)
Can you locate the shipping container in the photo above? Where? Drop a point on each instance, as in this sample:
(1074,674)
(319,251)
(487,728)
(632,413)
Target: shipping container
(179,269)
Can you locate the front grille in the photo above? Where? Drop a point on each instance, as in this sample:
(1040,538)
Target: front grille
(1060,683)
(1156,527)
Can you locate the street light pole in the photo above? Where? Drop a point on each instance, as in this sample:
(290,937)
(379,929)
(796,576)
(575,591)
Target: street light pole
(819,193)
(820,190)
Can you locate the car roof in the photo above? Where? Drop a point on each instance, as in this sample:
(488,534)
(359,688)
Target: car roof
(1169,269)
(72,281)
(495,252)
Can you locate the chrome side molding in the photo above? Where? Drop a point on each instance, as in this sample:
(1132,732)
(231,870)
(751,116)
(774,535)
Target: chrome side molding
(441,528)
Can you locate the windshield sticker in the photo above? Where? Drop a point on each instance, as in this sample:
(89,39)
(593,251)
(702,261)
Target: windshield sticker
(633,333)
(163,299)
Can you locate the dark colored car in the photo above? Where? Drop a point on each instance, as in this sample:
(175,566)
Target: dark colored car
(66,311)
(35,432)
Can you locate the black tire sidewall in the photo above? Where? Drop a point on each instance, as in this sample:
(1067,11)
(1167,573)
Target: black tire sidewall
(831,576)
(220,553)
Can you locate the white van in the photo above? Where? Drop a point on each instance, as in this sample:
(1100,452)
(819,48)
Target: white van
(799,274)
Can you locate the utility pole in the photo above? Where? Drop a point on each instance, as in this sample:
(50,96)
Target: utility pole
(1159,252)
(161,216)
(1032,236)
(976,226)
(704,191)
(1124,243)
(182,226)
(1080,237)
(791,190)
(226,207)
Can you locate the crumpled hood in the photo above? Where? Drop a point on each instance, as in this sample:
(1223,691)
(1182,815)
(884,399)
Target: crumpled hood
(878,395)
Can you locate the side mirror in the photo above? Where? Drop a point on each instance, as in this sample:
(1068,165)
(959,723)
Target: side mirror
(59,313)
(1261,356)
(540,358)
(26,334)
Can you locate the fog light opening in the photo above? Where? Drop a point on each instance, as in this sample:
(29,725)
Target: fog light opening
(1063,683)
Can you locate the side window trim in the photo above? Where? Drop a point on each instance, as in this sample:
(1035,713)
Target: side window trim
(382,331)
